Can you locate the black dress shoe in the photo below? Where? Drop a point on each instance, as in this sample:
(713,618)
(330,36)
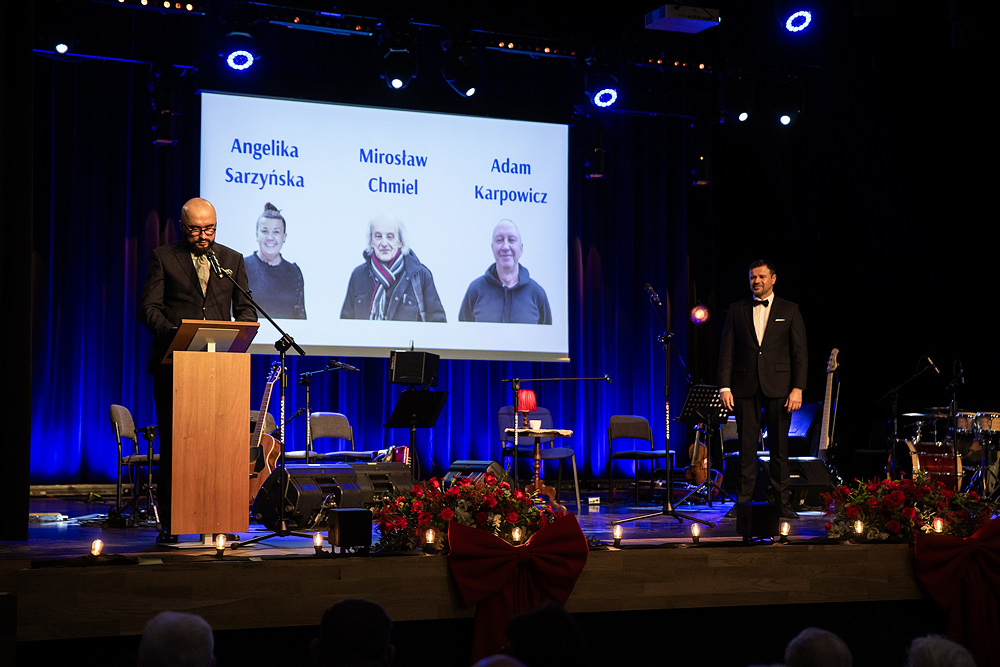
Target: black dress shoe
(166,538)
(788,513)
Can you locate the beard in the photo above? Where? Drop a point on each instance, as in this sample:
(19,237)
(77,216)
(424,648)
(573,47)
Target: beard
(197,250)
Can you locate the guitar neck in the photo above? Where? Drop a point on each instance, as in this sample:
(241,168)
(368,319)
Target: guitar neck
(824,433)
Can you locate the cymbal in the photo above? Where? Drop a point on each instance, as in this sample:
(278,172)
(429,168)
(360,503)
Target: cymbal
(926,415)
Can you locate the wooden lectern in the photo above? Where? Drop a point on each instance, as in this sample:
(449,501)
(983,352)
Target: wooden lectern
(211,380)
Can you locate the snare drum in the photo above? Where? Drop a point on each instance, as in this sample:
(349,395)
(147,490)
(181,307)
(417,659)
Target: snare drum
(988,422)
(936,459)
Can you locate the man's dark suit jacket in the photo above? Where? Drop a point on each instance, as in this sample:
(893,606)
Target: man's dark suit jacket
(172,293)
(777,365)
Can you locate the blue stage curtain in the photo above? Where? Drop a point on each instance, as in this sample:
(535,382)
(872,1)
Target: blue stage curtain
(105,197)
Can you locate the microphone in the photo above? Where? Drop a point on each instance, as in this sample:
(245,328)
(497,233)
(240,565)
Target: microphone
(931,362)
(653,295)
(333,363)
(216,266)
(607,378)
(961,372)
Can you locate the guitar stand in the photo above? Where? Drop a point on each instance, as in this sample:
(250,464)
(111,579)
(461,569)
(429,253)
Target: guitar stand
(712,483)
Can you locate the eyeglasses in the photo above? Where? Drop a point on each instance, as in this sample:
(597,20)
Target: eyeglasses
(198,231)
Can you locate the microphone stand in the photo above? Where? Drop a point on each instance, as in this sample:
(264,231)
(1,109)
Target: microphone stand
(305,379)
(282,345)
(668,495)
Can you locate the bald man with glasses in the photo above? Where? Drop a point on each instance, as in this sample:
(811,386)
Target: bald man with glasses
(180,284)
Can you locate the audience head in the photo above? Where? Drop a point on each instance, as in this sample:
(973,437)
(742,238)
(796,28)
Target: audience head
(499,660)
(546,636)
(814,647)
(938,651)
(354,633)
(176,639)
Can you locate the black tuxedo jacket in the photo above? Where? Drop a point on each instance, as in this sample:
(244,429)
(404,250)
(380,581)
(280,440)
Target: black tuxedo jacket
(172,293)
(777,365)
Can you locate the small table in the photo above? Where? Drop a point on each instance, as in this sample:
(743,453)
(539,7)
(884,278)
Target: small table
(536,484)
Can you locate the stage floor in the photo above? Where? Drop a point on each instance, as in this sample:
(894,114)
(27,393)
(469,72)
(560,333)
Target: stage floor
(84,522)
(266,598)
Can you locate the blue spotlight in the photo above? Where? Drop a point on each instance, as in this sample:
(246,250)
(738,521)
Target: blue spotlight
(239,60)
(798,21)
(238,51)
(605,97)
(603,90)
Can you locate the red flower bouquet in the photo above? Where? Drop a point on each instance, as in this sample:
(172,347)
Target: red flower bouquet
(485,503)
(891,510)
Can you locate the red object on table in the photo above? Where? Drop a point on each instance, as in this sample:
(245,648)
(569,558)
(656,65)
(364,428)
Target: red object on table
(504,580)
(963,577)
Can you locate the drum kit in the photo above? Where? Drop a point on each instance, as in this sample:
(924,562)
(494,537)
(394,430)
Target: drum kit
(960,452)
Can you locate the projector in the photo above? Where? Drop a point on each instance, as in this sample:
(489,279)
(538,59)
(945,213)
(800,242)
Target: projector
(677,18)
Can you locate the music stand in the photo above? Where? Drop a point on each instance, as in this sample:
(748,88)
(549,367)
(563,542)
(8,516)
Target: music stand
(415,409)
(703,405)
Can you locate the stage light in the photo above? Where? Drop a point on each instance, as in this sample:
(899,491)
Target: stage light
(96,547)
(238,51)
(602,90)
(62,48)
(794,15)
(398,68)
(798,21)
(458,70)
(616,534)
(785,119)
(743,117)
(220,545)
(700,314)
(430,537)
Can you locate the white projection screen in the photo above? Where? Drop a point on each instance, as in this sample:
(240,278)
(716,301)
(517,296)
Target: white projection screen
(331,169)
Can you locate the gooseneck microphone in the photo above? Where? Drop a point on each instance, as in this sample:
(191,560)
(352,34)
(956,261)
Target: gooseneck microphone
(216,266)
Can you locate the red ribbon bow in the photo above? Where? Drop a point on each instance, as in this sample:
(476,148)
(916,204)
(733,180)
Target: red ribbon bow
(963,577)
(504,580)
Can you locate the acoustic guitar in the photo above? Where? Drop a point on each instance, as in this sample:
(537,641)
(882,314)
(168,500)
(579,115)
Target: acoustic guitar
(262,466)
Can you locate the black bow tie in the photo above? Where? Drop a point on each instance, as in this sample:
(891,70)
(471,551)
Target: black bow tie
(760,302)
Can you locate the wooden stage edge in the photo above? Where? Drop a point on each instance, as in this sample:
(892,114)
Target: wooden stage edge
(57,601)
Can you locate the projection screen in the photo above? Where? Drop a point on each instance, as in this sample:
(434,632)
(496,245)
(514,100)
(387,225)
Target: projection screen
(445,183)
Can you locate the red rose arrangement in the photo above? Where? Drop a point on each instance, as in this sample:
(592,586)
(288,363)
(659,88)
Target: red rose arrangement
(483,502)
(891,510)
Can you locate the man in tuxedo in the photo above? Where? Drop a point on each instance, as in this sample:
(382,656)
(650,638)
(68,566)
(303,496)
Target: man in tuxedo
(762,373)
(181,284)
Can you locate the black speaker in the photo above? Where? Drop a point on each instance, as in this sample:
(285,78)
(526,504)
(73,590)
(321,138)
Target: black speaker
(474,469)
(808,479)
(315,488)
(350,527)
(416,368)
(757,520)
